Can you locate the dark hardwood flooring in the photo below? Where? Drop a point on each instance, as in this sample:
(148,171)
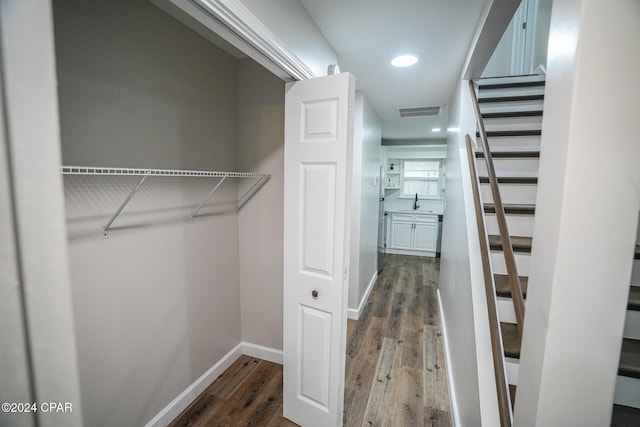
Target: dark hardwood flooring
(395,371)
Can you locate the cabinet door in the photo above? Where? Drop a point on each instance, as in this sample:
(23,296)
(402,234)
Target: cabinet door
(426,237)
(401,233)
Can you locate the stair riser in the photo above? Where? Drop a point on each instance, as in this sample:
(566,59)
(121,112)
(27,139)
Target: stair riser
(635,273)
(506,313)
(632,325)
(511,193)
(512,123)
(522,263)
(511,91)
(510,167)
(627,391)
(501,107)
(519,143)
(512,366)
(518,225)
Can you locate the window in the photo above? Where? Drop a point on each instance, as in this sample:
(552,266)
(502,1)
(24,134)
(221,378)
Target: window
(422,177)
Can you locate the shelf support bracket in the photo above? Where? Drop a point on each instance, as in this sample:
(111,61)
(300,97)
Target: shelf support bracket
(206,199)
(124,203)
(253,190)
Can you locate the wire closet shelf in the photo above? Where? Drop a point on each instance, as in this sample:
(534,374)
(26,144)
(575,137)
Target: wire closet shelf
(255,181)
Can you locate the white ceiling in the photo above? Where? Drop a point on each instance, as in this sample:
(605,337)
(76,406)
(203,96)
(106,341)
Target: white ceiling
(367,34)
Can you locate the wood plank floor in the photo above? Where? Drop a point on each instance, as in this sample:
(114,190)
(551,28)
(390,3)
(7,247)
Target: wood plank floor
(395,371)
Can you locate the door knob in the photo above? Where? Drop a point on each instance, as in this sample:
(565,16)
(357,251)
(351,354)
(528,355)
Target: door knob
(314,294)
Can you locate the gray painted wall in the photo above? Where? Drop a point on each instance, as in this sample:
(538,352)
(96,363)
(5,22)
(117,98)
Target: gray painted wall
(156,305)
(260,149)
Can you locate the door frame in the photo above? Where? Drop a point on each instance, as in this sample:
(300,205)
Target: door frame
(40,364)
(229,23)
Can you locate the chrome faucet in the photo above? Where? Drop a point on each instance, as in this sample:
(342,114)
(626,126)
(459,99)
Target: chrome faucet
(415,203)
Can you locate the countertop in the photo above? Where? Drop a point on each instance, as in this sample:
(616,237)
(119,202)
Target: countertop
(415,211)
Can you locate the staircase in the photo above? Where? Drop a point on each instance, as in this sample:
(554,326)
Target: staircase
(626,410)
(511,110)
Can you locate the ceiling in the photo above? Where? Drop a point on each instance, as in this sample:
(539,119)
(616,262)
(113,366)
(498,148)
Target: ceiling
(367,34)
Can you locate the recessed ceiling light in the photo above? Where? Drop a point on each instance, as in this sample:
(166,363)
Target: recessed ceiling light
(404,60)
(436,130)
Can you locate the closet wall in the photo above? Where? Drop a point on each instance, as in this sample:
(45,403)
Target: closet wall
(156,306)
(261,149)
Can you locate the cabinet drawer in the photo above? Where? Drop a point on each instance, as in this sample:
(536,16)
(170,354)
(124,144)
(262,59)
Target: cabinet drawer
(426,218)
(402,217)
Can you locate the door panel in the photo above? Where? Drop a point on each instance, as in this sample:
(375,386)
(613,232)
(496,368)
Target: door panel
(318,222)
(315,355)
(426,237)
(401,233)
(318,140)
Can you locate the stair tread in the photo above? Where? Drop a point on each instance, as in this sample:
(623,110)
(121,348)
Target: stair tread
(510,154)
(634,298)
(630,358)
(512,208)
(510,339)
(511,133)
(512,394)
(502,285)
(512,114)
(625,416)
(519,243)
(510,98)
(511,180)
(510,85)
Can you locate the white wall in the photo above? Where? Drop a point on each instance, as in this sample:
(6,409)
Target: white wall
(581,257)
(541,35)
(290,22)
(37,358)
(461,288)
(537,16)
(260,149)
(156,304)
(364,200)
(500,62)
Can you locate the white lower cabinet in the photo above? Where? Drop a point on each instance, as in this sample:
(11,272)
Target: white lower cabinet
(414,234)
(401,234)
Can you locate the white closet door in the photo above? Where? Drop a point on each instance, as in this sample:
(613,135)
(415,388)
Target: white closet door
(318,141)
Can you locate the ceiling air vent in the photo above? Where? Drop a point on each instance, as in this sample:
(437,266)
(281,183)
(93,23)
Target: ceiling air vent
(418,111)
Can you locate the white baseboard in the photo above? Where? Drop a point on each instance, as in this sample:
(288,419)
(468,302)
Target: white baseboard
(354,313)
(262,352)
(184,399)
(412,253)
(452,394)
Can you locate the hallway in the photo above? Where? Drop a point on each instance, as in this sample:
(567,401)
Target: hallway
(395,370)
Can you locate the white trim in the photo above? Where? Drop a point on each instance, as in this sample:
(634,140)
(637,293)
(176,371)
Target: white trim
(191,393)
(445,342)
(355,313)
(232,21)
(262,352)
(410,252)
